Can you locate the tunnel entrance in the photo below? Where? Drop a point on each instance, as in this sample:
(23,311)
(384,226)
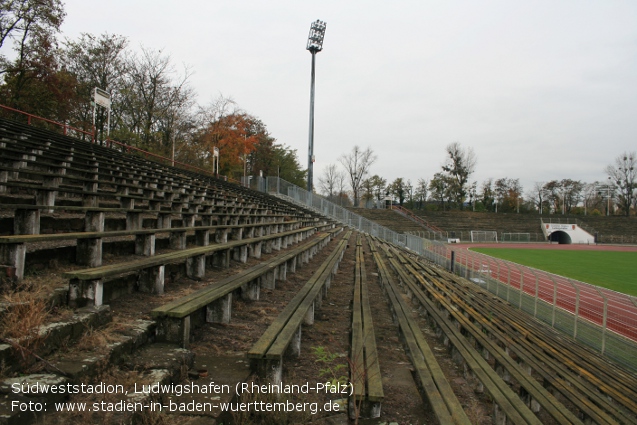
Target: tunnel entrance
(560,237)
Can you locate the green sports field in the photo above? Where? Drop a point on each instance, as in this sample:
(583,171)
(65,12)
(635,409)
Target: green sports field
(610,269)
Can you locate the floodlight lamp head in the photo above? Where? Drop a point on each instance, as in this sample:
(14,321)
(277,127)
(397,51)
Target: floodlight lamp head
(315,39)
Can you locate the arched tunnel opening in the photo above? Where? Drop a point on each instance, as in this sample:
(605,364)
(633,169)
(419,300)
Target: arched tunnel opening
(560,237)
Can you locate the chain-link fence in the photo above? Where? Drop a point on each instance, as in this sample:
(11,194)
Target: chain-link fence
(465,236)
(602,319)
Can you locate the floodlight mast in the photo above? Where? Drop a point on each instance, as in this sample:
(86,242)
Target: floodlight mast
(314,45)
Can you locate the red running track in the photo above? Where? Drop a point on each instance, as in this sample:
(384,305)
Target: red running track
(583,300)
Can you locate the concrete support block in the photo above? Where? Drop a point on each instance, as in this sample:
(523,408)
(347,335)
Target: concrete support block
(14,255)
(255,249)
(374,409)
(282,272)
(127,202)
(177,206)
(4,176)
(175,330)
(499,417)
(309,316)
(221,259)
(270,370)
(291,265)
(188,219)
(240,253)
(26,222)
(90,186)
(294,349)
(178,240)
(82,292)
(206,219)
(236,234)
(45,197)
(152,280)
(196,267)
(220,311)
(94,221)
(258,232)
(221,235)
(502,372)
(268,280)
(133,220)
(88,252)
(203,237)
(267,247)
(251,290)
(145,244)
(164,220)
(89,200)
(121,188)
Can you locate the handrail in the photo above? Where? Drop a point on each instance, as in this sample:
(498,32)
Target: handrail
(415,218)
(65,127)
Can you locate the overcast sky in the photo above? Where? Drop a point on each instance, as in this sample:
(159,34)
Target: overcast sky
(540,89)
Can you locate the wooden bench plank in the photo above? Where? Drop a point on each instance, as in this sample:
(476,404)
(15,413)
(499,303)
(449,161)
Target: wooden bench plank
(503,396)
(357,355)
(372,366)
(163,259)
(261,348)
(435,386)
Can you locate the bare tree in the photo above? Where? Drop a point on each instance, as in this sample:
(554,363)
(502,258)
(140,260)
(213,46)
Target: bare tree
(538,195)
(357,164)
(329,180)
(459,167)
(421,192)
(25,21)
(624,176)
(439,187)
(154,96)
(508,192)
(398,189)
(96,62)
(590,196)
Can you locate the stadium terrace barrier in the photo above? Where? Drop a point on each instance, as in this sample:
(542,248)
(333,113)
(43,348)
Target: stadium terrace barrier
(599,318)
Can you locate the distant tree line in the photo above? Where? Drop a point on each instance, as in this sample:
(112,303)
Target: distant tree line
(452,188)
(153,106)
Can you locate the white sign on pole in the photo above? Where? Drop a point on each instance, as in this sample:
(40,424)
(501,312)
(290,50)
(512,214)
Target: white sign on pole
(102,97)
(215,152)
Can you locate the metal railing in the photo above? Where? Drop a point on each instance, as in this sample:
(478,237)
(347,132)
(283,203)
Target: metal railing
(417,219)
(599,318)
(66,129)
(465,236)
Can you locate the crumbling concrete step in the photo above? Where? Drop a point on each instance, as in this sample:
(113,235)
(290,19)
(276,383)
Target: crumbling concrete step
(153,365)
(25,398)
(55,335)
(214,381)
(82,366)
